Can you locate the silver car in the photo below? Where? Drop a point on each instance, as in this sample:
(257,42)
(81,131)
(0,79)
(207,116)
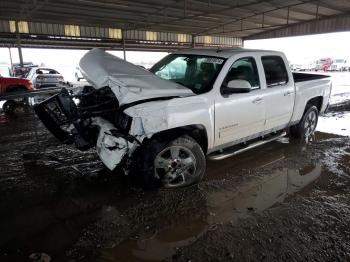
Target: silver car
(44,77)
(78,74)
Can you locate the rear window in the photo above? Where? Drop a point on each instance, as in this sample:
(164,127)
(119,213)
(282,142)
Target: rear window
(46,71)
(275,70)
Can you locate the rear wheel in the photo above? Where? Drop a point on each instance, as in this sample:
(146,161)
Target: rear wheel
(14,108)
(176,164)
(8,106)
(307,125)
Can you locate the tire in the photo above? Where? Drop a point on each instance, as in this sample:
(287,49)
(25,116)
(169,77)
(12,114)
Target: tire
(9,106)
(176,164)
(19,88)
(13,108)
(307,125)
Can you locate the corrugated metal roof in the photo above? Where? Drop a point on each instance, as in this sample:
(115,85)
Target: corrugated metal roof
(235,18)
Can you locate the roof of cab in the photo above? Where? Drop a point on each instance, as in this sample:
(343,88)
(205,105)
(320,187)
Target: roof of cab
(224,53)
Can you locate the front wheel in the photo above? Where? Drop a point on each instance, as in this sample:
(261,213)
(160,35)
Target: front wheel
(176,164)
(307,125)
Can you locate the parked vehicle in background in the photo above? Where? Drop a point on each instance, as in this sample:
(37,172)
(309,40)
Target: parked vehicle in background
(311,66)
(78,75)
(295,67)
(45,77)
(347,65)
(13,84)
(338,65)
(323,64)
(22,71)
(300,67)
(161,124)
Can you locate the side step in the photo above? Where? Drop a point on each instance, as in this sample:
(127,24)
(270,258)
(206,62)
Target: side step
(232,152)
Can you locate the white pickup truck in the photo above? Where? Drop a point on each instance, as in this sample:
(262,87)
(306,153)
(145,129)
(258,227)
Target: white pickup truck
(160,125)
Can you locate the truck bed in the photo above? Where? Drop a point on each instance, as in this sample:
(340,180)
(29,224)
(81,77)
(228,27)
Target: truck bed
(301,77)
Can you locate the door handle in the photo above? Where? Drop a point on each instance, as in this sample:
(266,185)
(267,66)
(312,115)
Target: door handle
(288,93)
(257,100)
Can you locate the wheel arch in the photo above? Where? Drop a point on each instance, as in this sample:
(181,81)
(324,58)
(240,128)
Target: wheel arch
(197,131)
(316,101)
(12,88)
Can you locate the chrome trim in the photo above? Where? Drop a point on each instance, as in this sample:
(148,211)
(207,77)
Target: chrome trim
(251,146)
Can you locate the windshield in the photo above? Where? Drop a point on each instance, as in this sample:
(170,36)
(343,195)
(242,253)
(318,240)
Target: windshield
(193,71)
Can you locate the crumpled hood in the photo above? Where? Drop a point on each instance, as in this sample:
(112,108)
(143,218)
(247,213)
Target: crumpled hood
(128,82)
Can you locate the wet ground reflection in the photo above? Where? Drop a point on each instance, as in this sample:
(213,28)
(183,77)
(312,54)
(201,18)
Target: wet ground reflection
(222,206)
(52,194)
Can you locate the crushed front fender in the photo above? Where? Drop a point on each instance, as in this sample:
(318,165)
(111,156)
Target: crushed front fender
(111,146)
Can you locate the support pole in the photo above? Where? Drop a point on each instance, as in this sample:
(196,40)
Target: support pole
(123,42)
(19,45)
(193,41)
(10,58)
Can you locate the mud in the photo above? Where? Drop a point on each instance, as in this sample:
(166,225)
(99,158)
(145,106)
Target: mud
(285,201)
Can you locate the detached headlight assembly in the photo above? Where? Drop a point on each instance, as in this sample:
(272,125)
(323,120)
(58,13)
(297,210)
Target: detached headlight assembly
(123,122)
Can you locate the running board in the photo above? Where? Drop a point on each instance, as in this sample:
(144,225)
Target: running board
(229,153)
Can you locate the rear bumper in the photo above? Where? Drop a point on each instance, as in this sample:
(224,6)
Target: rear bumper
(43,85)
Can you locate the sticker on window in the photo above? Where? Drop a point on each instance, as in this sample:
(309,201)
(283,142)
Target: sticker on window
(213,60)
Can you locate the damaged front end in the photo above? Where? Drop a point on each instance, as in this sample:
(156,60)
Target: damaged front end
(92,117)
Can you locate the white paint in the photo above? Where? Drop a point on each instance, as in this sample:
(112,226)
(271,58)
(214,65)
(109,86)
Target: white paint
(237,114)
(110,149)
(128,82)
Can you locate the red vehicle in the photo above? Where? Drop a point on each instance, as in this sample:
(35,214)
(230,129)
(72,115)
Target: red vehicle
(323,64)
(13,84)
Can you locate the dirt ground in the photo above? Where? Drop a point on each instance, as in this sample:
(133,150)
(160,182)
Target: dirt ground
(285,201)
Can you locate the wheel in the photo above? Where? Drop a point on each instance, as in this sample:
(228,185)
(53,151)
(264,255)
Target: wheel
(13,108)
(176,164)
(307,124)
(9,106)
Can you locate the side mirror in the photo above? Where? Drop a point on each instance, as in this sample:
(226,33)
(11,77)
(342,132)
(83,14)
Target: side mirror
(237,86)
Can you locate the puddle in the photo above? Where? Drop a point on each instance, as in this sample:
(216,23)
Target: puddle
(222,206)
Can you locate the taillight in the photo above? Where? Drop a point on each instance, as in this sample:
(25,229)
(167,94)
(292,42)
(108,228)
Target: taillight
(40,77)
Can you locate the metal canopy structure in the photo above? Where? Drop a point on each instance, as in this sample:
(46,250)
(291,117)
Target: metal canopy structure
(164,24)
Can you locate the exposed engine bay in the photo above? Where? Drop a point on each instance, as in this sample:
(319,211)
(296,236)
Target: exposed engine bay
(94,119)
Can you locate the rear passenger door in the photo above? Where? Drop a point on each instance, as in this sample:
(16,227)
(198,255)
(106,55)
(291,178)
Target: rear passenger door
(280,92)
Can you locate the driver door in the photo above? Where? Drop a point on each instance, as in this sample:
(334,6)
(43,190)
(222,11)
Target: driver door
(240,115)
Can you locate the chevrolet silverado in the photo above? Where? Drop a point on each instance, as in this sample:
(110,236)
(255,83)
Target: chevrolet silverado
(161,124)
